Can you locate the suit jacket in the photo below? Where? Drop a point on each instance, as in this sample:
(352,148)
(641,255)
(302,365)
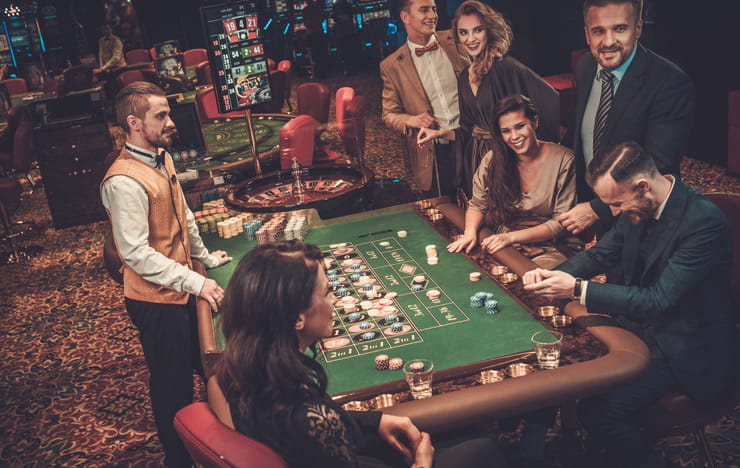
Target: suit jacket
(404,96)
(654,106)
(679,302)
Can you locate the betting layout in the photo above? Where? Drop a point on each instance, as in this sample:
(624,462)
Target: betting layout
(385,299)
(237,55)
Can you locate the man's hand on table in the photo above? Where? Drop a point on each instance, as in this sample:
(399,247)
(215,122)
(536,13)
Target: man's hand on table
(550,284)
(221,256)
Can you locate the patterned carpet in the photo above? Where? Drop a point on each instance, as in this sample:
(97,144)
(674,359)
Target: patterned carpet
(73,386)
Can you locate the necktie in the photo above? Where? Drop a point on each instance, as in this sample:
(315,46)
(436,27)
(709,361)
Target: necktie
(605,104)
(422,50)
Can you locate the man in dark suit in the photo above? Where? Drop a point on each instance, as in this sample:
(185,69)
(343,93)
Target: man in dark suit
(645,97)
(675,249)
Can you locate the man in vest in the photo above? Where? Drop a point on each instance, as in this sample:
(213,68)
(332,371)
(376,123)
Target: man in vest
(157,239)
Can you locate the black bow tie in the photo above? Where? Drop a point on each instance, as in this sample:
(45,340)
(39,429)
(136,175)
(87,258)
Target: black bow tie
(158,159)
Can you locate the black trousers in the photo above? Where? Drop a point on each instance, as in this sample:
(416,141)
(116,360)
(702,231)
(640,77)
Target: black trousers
(169,336)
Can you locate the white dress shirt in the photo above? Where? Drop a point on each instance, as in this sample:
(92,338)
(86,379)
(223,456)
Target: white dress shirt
(440,83)
(128,204)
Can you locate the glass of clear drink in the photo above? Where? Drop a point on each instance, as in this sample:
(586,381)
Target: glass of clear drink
(547,345)
(419,377)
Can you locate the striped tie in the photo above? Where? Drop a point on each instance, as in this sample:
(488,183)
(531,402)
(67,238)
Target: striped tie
(605,103)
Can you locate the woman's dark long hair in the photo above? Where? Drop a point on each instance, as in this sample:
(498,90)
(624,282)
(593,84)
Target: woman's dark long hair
(262,366)
(504,189)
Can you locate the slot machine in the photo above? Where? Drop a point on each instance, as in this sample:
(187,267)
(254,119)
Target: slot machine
(26,44)
(373,19)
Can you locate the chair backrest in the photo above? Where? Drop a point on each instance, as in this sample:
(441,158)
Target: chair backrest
(297,141)
(205,99)
(314,99)
(193,57)
(341,101)
(271,64)
(286,66)
(352,130)
(203,72)
(277,84)
(575,55)
(729,203)
(16,86)
(77,78)
(153,53)
(138,56)
(129,76)
(212,444)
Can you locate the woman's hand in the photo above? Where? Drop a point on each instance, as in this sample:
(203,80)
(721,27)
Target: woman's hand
(393,428)
(466,243)
(428,134)
(424,452)
(496,242)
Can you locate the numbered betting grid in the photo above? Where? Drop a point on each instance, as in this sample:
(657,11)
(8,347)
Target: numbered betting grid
(365,315)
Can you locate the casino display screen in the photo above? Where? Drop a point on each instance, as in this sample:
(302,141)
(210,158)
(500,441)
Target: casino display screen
(237,55)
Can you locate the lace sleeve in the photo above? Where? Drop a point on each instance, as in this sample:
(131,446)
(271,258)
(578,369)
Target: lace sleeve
(328,441)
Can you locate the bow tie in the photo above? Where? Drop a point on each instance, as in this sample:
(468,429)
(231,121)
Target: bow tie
(422,50)
(158,159)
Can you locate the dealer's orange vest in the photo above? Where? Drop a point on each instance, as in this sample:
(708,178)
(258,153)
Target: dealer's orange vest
(168,232)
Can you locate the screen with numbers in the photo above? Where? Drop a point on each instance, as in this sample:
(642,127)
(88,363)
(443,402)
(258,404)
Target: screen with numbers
(237,55)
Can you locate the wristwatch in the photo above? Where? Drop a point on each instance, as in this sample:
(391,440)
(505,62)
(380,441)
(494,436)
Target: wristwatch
(577,290)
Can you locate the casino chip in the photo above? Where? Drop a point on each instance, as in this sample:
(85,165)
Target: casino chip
(381,361)
(395,363)
(396,327)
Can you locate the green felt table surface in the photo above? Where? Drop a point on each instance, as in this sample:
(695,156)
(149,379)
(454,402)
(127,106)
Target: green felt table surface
(447,330)
(228,140)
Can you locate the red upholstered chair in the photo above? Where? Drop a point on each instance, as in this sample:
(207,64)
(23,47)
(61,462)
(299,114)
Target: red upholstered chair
(297,141)
(205,99)
(313,99)
(729,203)
(676,414)
(213,444)
(286,66)
(275,106)
(193,57)
(565,83)
(153,53)
(271,65)
(341,101)
(352,128)
(16,86)
(138,56)
(733,131)
(130,76)
(203,72)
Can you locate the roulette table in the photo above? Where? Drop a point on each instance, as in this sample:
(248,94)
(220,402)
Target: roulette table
(461,339)
(331,189)
(228,144)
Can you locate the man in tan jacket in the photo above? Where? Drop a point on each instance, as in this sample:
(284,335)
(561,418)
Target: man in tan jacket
(420,91)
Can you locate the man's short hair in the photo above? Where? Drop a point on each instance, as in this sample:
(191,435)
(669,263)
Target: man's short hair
(404,5)
(134,100)
(623,162)
(636,6)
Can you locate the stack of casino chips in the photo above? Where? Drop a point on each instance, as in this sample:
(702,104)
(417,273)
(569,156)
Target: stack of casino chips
(250,227)
(296,228)
(484,299)
(271,230)
(233,226)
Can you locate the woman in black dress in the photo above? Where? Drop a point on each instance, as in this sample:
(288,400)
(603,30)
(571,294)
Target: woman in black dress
(277,305)
(484,35)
